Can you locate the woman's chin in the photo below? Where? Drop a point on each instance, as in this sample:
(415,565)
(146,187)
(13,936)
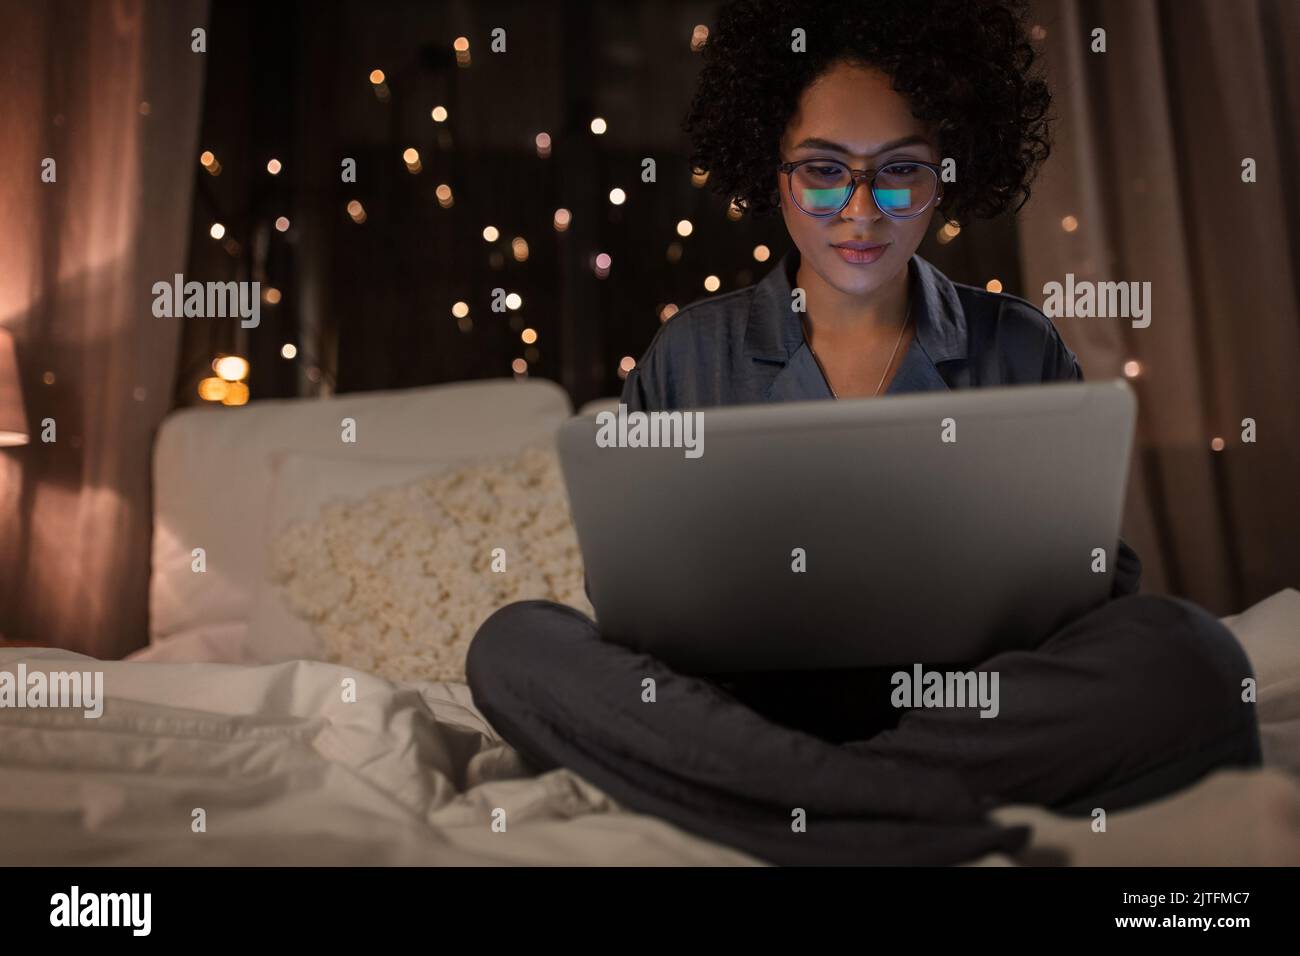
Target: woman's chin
(855,280)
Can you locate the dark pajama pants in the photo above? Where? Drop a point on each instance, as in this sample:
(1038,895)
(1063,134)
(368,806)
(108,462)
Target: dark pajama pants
(1131,701)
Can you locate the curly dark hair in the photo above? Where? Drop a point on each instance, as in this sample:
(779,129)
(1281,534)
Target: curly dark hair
(965,66)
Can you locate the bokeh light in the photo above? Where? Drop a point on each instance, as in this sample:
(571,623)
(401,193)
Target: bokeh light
(231,367)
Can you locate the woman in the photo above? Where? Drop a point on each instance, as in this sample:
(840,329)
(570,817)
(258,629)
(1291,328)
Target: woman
(850,141)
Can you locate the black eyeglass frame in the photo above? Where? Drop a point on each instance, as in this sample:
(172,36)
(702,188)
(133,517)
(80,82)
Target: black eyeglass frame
(858,176)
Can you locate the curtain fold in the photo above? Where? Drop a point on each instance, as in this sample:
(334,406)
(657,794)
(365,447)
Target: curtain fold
(1150,141)
(111,92)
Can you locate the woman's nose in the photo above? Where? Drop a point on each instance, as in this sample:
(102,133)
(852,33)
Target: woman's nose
(862,204)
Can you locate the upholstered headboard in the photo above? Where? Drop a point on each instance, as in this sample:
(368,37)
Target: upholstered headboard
(212,474)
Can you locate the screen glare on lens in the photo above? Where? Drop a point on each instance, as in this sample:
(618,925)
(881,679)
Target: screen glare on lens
(823,198)
(893,199)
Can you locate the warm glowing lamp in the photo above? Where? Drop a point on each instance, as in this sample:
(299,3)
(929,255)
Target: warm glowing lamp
(13,414)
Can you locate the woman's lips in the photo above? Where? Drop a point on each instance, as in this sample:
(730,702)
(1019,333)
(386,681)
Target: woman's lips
(860,253)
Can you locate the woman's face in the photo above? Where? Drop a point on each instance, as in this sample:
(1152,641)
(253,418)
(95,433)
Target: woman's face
(852,114)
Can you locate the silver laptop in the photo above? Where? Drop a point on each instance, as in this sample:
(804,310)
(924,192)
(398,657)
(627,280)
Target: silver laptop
(928,527)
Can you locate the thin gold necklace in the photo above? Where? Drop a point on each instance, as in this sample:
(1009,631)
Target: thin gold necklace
(906,319)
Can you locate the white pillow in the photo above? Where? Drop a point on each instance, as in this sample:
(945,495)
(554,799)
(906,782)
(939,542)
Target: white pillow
(396,581)
(301,485)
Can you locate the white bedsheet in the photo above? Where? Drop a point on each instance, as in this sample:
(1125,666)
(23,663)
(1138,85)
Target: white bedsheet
(289,773)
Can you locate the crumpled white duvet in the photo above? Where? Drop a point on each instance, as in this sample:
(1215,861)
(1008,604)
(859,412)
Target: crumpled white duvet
(287,772)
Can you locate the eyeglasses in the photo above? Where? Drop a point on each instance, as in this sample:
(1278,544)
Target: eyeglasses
(823,187)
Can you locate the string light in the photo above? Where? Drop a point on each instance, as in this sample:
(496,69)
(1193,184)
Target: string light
(993,285)
(378,84)
(411,156)
(231,367)
(271,295)
(1216,444)
(208,160)
(213,389)
(1132,368)
(1069,224)
(514,301)
(734,212)
(562,220)
(236,394)
(461,46)
(947,233)
(699,37)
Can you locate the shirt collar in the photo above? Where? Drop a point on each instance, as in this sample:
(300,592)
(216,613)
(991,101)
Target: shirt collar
(774,333)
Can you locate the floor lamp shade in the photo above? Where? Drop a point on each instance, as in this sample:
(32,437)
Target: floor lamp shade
(13,415)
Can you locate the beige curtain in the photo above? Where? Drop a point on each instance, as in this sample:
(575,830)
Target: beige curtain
(111,92)
(1150,143)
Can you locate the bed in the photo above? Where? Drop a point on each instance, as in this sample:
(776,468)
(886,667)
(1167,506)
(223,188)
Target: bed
(292,708)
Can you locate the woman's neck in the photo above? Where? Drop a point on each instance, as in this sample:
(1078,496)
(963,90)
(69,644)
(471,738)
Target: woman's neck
(835,313)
